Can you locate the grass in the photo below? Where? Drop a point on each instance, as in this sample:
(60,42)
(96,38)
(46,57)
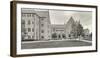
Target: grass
(53,44)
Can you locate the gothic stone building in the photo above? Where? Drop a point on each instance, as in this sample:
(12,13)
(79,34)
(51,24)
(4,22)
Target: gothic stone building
(36,25)
(63,31)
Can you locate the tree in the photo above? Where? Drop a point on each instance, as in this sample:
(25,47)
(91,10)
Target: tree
(54,35)
(76,30)
(59,36)
(79,30)
(64,36)
(91,34)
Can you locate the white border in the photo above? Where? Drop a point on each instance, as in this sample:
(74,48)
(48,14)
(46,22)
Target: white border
(50,50)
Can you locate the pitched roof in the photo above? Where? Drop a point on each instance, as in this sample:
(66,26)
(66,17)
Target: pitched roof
(70,21)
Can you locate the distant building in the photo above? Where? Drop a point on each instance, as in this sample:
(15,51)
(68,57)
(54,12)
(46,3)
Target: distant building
(68,27)
(64,31)
(86,32)
(59,30)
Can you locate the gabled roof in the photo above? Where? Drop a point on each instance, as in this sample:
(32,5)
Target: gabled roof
(70,21)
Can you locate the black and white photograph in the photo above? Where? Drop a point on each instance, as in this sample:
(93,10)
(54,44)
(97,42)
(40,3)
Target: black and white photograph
(52,28)
(48,28)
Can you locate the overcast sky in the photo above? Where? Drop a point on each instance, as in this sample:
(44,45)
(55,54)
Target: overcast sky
(61,17)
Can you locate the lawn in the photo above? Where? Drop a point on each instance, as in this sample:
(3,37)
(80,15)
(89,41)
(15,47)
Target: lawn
(52,44)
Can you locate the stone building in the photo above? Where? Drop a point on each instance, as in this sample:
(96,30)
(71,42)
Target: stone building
(58,31)
(35,24)
(68,26)
(63,31)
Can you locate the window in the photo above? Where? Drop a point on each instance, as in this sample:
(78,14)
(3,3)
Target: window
(42,36)
(32,37)
(32,15)
(32,29)
(23,37)
(23,22)
(28,15)
(69,35)
(32,22)
(24,30)
(29,37)
(29,29)
(42,31)
(42,19)
(42,25)
(29,22)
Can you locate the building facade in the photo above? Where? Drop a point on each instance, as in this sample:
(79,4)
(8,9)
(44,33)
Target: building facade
(35,25)
(58,31)
(64,31)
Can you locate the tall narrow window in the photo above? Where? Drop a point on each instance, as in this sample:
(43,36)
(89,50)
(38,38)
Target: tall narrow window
(42,25)
(29,22)
(29,29)
(32,22)
(23,22)
(32,37)
(32,29)
(28,15)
